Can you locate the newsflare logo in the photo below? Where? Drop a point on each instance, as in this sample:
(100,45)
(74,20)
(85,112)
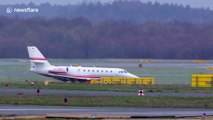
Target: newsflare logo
(9,10)
(21,10)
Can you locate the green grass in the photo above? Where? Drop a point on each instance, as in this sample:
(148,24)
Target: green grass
(18,69)
(162,75)
(167,75)
(121,88)
(111,101)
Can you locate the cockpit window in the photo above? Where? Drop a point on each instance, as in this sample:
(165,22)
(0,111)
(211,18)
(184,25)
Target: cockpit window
(123,71)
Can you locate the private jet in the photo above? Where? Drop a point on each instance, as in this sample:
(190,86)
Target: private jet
(40,65)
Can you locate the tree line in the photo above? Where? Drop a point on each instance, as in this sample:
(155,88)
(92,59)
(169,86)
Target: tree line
(81,38)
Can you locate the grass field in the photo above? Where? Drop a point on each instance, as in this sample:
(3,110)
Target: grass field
(168,75)
(117,88)
(165,71)
(171,76)
(110,101)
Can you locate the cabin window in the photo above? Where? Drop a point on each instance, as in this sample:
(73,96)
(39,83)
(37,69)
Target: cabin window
(111,71)
(88,70)
(67,69)
(97,70)
(84,70)
(102,71)
(106,71)
(93,70)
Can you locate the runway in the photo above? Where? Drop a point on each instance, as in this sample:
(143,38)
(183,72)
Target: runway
(134,112)
(12,91)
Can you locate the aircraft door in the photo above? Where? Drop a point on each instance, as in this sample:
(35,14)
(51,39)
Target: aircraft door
(67,69)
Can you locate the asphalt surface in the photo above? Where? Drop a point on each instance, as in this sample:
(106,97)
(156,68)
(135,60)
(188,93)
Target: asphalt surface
(134,112)
(12,91)
(35,110)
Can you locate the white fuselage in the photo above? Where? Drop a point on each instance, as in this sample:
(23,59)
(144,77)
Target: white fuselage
(79,72)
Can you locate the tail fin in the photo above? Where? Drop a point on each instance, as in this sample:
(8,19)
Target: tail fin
(37,60)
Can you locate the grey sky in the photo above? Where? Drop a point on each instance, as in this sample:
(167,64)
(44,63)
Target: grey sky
(192,3)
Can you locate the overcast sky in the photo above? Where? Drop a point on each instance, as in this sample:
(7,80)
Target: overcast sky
(192,3)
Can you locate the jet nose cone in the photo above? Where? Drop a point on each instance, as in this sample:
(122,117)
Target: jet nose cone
(132,76)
